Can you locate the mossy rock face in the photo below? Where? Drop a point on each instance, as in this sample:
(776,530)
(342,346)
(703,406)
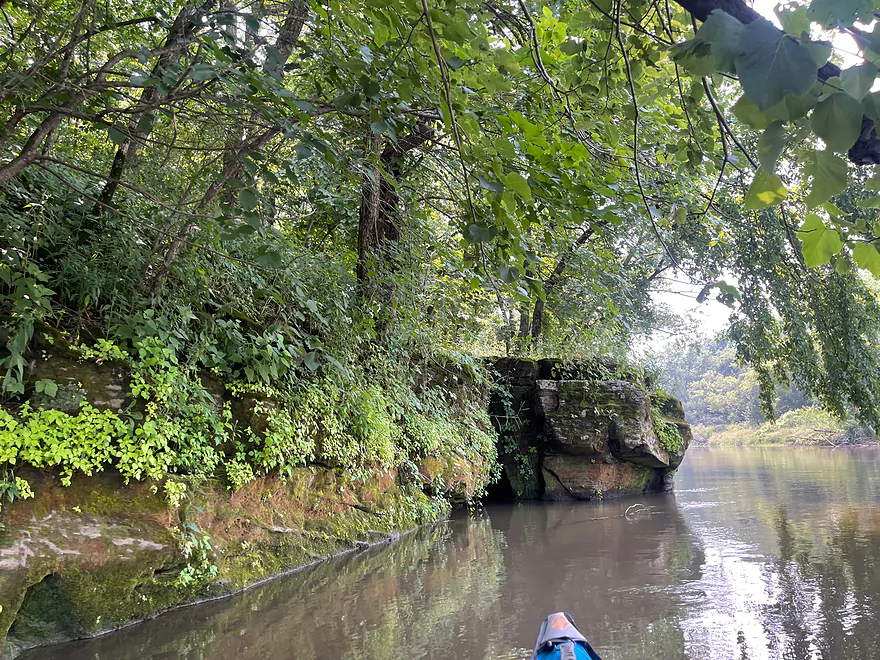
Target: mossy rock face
(588,435)
(604,420)
(581,478)
(105,386)
(516,371)
(80,560)
(671,411)
(71,559)
(519,430)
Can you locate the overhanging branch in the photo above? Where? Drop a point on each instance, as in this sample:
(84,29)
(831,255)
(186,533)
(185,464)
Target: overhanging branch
(866,151)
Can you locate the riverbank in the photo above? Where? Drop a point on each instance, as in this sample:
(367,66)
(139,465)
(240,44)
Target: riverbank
(721,569)
(83,559)
(809,426)
(100,533)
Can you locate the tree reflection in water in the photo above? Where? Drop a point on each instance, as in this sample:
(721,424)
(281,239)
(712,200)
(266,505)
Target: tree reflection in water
(828,595)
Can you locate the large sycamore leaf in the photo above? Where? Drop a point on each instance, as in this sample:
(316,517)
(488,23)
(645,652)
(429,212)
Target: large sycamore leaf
(838,121)
(771,144)
(858,80)
(721,31)
(766,190)
(819,242)
(749,114)
(829,176)
(871,105)
(518,183)
(794,19)
(846,12)
(867,257)
(770,64)
(695,57)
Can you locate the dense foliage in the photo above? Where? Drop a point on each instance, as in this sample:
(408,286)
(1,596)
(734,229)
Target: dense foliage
(329,203)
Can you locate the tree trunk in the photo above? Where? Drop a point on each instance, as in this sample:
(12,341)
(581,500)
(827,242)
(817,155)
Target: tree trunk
(536,328)
(378,228)
(525,325)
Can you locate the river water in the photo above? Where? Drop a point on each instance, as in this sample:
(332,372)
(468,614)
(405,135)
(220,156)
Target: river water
(760,553)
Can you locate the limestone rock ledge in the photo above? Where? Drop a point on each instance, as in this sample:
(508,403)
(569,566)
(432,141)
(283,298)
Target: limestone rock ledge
(585,431)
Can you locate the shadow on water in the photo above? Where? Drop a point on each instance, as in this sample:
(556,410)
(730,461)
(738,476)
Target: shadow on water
(759,555)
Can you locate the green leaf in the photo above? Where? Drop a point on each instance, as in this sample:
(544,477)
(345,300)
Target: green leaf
(829,176)
(252,23)
(479,234)
(491,186)
(572,47)
(455,63)
(383,128)
(833,210)
(749,114)
(46,386)
(771,144)
(819,242)
(858,80)
(820,51)
(504,58)
(871,105)
(869,203)
(311,360)
(695,57)
(116,136)
(771,64)
(381,33)
(867,257)
(516,182)
(347,100)
(766,190)
(201,73)
(303,105)
(838,121)
(846,12)
(371,89)
(722,32)
(509,274)
(269,258)
(145,123)
(728,289)
(873,184)
(794,19)
(248,198)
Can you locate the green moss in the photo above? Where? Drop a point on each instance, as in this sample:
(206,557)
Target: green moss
(80,602)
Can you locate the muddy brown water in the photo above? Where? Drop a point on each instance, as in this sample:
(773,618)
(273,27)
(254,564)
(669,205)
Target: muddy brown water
(761,553)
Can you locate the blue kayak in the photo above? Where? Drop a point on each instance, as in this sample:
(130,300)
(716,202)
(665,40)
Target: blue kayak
(560,639)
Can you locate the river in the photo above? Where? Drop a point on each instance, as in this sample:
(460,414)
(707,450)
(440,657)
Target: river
(760,553)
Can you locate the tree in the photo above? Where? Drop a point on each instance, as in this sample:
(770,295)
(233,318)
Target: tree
(468,169)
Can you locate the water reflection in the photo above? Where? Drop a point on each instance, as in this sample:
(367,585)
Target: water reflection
(759,555)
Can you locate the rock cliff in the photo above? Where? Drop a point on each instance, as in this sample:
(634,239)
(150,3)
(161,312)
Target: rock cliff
(107,550)
(584,431)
